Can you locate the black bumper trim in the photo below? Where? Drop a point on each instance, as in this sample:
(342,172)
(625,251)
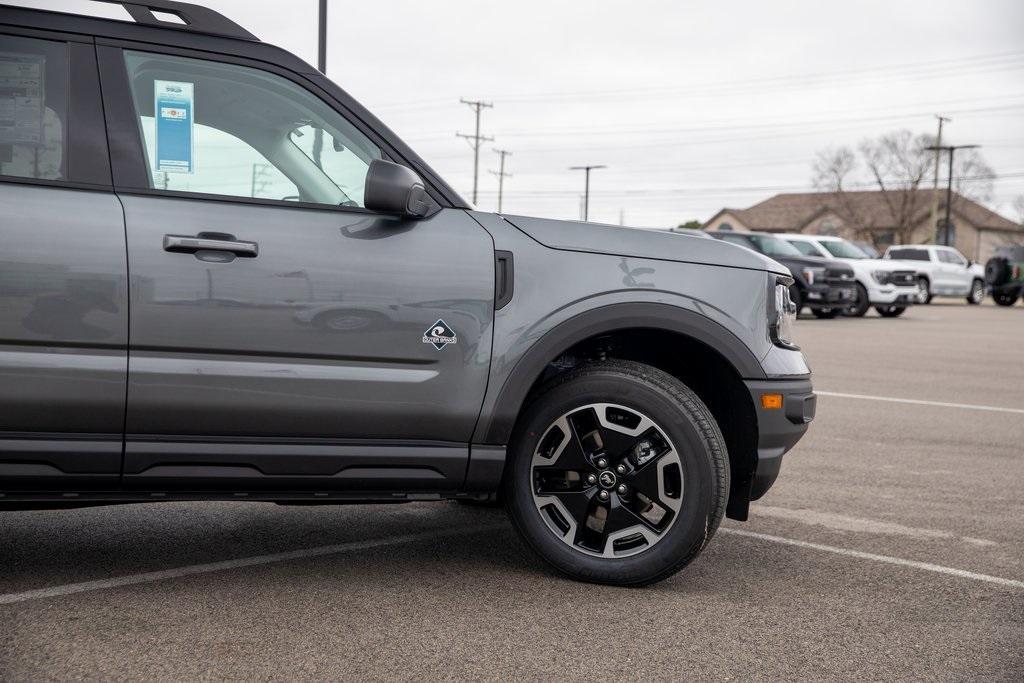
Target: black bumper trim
(778,430)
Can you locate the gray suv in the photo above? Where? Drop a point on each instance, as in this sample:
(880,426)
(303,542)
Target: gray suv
(222,278)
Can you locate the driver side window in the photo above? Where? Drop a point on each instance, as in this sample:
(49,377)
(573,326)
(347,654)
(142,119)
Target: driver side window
(229,130)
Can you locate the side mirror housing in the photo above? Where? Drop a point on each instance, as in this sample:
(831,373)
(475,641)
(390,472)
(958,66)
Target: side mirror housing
(393,188)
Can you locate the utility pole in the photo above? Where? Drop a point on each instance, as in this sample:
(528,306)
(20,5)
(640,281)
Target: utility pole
(258,184)
(321,64)
(476,139)
(502,153)
(586,186)
(935,179)
(946,234)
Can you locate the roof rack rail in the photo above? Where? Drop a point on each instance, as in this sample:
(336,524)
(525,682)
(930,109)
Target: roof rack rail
(184,17)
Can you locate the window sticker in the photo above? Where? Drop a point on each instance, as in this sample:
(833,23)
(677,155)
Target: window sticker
(174,106)
(22,98)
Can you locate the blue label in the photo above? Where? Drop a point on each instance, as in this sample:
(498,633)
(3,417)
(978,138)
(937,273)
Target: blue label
(173,108)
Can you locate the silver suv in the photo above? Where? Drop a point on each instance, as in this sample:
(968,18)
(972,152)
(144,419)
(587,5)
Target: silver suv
(223,278)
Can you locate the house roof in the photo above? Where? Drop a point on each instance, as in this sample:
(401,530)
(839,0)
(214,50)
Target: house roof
(793,211)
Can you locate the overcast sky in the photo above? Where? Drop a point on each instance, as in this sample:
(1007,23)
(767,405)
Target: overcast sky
(692,105)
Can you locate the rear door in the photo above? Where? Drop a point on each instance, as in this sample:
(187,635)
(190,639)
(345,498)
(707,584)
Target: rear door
(63,286)
(305,341)
(956,274)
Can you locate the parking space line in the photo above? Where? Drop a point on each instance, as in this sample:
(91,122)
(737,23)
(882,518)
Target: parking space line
(927,566)
(940,404)
(177,572)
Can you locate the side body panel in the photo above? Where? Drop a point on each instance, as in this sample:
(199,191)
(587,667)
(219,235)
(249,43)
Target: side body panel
(63,337)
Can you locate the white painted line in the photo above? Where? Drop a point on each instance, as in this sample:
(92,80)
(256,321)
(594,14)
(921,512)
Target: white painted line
(150,577)
(940,404)
(927,566)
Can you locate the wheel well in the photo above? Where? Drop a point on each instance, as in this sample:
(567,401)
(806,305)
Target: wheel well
(698,366)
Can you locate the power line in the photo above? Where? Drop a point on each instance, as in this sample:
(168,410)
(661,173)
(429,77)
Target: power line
(502,153)
(476,138)
(940,68)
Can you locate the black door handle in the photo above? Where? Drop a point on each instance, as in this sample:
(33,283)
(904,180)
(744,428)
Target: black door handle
(210,241)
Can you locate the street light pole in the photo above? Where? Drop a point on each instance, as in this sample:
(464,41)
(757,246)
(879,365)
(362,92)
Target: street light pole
(586,187)
(946,224)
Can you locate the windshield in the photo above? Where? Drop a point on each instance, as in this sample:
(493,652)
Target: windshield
(842,249)
(773,246)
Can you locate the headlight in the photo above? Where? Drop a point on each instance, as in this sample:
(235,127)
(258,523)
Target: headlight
(812,275)
(781,313)
(882,277)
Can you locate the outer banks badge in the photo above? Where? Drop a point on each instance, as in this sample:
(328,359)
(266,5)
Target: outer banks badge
(440,335)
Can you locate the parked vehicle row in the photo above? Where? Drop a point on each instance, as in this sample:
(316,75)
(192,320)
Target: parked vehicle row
(888,286)
(826,286)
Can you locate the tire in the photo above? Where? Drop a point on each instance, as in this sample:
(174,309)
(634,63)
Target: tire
(977,294)
(798,298)
(860,304)
(926,296)
(825,313)
(890,311)
(1005,298)
(680,439)
(997,271)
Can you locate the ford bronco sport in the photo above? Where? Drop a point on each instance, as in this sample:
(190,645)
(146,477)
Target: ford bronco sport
(223,278)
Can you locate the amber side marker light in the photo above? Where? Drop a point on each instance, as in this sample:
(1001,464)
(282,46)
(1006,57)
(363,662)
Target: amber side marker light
(771,401)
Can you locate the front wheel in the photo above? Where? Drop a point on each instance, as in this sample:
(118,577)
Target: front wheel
(890,311)
(618,475)
(977,294)
(860,304)
(924,291)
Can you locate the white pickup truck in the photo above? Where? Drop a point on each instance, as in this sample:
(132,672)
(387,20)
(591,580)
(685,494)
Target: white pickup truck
(889,286)
(942,271)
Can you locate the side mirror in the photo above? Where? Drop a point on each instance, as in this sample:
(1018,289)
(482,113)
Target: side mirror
(392,188)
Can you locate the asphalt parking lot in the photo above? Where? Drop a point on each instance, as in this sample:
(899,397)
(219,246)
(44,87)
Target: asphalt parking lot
(892,547)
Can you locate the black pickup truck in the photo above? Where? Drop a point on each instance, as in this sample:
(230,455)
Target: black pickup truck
(826,286)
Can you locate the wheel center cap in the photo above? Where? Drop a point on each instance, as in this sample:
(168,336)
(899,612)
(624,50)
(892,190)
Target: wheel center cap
(607,479)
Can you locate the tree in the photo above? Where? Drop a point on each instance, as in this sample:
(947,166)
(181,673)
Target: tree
(894,165)
(691,225)
(1018,206)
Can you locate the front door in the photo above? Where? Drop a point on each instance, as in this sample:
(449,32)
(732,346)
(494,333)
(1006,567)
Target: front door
(282,335)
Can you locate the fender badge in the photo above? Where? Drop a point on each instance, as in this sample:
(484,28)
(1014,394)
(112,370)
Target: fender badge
(439,335)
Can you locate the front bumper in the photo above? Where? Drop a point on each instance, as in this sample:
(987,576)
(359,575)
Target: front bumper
(778,429)
(892,294)
(830,296)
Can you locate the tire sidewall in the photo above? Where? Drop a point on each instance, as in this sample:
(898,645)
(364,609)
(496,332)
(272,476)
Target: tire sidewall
(689,531)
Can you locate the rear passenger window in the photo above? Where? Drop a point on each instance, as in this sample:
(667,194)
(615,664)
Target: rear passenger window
(909,254)
(33,108)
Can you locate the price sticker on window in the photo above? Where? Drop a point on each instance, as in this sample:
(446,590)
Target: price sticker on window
(174,110)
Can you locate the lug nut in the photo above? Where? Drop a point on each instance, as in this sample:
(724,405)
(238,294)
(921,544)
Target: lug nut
(621,489)
(602,463)
(603,495)
(591,478)
(621,469)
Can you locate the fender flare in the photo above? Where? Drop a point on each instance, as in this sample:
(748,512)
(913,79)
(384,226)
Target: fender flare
(611,318)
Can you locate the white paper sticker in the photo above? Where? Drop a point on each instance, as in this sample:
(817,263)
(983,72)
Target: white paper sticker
(174,105)
(22,98)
